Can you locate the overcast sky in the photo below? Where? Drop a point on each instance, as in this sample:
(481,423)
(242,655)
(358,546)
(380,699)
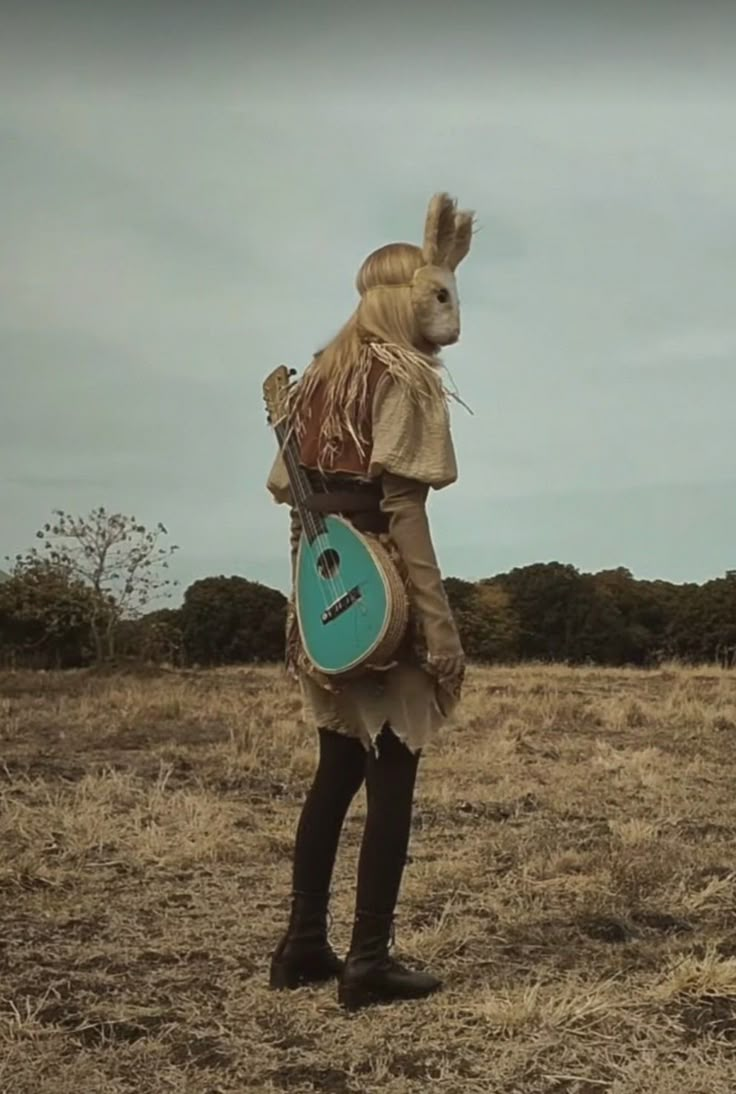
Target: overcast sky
(186,196)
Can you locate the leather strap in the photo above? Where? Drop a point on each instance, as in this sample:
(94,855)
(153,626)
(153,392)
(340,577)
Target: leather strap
(344,501)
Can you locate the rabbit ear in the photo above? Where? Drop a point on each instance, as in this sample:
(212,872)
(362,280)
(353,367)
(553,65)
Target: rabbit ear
(439,230)
(464,220)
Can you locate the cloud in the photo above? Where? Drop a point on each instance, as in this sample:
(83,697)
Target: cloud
(186,202)
(698,349)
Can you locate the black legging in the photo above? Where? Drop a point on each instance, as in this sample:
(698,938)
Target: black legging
(390,778)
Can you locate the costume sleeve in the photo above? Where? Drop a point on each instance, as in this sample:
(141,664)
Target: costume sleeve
(413,451)
(404,500)
(411,435)
(279,486)
(278,481)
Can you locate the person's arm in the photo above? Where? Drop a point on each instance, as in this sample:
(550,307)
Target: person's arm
(413,451)
(280,488)
(278,484)
(404,500)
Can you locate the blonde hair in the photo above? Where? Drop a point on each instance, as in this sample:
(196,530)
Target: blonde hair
(384,327)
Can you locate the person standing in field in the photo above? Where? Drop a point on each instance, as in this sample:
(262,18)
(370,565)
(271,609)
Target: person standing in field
(371,417)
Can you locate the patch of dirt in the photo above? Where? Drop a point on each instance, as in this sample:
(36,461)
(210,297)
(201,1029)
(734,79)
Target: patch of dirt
(178,731)
(202,1052)
(578,1086)
(418,1066)
(710,1016)
(475,812)
(31,685)
(608,929)
(256,787)
(691,827)
(52,766)
(662,922)
(331,1080)
(99,1032)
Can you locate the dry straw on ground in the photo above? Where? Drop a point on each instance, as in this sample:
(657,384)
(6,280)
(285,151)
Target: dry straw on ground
(573,879)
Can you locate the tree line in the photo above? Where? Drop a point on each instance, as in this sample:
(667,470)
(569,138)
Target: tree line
(83,597)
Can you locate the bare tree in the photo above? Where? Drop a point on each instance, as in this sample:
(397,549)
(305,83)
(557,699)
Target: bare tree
(115,556)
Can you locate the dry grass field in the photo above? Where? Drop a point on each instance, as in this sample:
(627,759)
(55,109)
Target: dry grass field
(573,878)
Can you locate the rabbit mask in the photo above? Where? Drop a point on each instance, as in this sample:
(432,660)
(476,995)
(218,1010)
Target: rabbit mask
(408,293)
(434,297)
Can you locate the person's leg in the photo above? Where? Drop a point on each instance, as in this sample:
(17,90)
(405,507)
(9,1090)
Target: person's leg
(338,778)
(370,975)
(304,954)
(390,780)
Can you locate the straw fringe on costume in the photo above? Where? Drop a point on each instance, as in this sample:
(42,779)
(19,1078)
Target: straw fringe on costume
(411,437)
(345,408)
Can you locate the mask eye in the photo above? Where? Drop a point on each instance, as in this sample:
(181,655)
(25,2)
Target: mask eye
(443,296)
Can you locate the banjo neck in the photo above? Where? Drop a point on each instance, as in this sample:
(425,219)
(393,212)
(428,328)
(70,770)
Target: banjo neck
(301,489)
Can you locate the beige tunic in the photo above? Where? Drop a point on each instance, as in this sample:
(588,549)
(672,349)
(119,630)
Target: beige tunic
(412,451)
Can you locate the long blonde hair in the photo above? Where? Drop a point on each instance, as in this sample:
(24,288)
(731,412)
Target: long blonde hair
(384,327)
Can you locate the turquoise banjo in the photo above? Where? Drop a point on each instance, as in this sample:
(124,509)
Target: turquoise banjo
(351,603)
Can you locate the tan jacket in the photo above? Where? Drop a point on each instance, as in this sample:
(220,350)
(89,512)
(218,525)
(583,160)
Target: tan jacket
(411,450)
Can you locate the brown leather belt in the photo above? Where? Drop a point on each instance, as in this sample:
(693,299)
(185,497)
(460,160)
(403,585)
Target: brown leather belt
(344,501)
(359,501)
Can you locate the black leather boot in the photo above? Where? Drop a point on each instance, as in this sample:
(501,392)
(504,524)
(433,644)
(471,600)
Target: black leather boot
(371,975)
(304,955)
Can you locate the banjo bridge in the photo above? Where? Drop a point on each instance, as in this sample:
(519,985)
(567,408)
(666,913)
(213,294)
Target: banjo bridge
(341,604)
